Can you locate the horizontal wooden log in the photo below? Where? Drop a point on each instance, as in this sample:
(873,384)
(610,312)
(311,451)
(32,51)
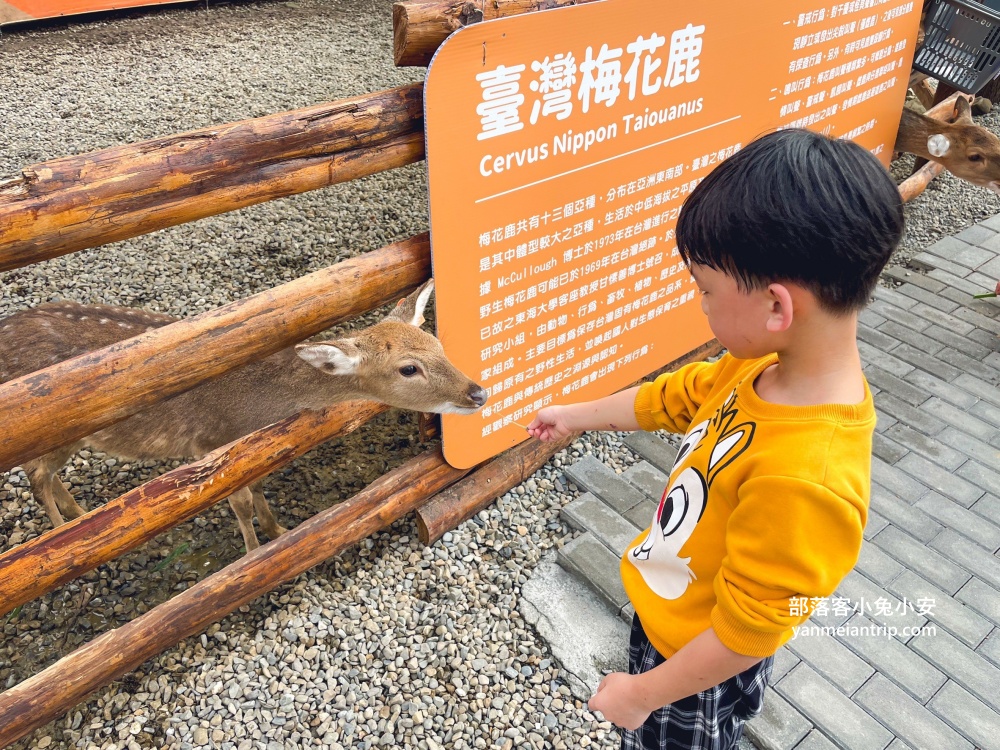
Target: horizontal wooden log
(74,398)
(463,500)
(420,26)
(82,201)
(50,693)
(917,182)
(68,551)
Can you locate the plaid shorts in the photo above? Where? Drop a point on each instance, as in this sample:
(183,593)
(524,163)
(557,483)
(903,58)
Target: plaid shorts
(710,720)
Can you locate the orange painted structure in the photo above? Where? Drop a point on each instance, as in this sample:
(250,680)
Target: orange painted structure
(14,11)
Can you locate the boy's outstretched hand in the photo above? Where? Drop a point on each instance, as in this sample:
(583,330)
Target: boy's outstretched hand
(549,424)
(616,698)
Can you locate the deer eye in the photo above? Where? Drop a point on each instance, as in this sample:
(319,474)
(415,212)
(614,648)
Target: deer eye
(975,157)
(408,371)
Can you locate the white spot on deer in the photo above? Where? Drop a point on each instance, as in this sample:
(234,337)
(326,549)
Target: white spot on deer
(102,321)
(124,325)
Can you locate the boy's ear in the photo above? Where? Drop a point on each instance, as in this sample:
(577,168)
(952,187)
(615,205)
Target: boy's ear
(780,310)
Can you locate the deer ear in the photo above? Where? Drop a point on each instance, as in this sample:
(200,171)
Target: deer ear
(337,358)
(963,109)
(411,309)
(938,145)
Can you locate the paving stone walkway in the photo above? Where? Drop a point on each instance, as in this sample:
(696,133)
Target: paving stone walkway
(931,558)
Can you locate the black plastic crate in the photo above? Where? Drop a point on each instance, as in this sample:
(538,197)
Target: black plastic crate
(962,44)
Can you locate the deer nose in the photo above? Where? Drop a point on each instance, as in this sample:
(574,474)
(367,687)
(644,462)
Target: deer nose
(477,395)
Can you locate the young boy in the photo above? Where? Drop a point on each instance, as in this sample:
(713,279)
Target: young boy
(768,495)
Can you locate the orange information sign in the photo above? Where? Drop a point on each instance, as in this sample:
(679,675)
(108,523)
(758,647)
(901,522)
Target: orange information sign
(27,10)
(560,147)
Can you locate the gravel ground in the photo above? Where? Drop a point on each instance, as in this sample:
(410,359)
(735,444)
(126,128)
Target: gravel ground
(389,644)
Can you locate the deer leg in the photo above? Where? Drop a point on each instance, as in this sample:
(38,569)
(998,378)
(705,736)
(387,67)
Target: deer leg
(49,490)
(265,517)
(241,502)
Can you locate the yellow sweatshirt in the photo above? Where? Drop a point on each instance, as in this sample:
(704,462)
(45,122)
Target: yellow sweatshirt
(766,502)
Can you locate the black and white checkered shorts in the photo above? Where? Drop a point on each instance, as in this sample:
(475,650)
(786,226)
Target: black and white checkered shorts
(710,720)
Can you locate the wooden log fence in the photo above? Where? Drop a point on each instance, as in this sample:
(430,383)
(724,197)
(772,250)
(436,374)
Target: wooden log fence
(463,500)
(917,182)
(68,551)
(74,398)
(77,202)
(50,693)
(420,26)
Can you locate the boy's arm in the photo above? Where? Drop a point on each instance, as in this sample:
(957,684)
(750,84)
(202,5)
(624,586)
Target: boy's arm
(667,403)
(627,700)
(671,401)
(614,412)
(787,537)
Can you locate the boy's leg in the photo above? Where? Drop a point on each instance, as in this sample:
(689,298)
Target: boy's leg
(710,720)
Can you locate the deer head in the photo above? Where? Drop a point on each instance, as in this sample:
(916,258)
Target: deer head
(965,149)
(396,362)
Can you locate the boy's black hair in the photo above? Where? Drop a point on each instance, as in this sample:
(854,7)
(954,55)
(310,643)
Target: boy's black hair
(796,206)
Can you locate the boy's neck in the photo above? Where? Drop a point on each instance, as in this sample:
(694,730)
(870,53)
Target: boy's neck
(815,367)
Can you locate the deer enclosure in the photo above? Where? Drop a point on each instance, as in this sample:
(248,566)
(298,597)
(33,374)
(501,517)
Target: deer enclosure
(353,625)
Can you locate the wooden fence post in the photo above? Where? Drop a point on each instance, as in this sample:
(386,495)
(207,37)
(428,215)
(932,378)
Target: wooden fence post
(420,26)
(461,501)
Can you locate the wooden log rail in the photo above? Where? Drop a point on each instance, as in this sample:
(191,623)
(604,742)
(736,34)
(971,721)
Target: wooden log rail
(917,182)
(37,567)
(420,26)
(82,201)
(463,500)
(74,398)
(51,692)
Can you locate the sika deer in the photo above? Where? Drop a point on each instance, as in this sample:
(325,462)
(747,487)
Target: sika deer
(967,150)
(394,362)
